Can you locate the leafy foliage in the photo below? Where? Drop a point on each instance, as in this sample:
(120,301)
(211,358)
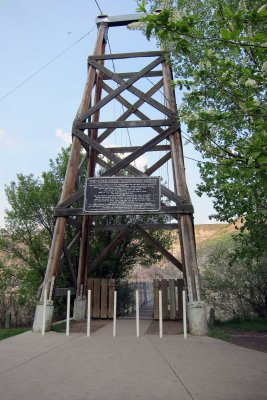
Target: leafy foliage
(25,241)
(235,287)
(218,53)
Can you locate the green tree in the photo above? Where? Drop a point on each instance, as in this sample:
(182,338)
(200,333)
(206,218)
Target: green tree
(26,238)
(235,286)
(218,53)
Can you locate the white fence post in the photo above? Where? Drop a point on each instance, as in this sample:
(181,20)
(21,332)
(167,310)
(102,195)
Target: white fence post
(137,312)
(115,313)
(68,315)
(184,314)
(160,315)
(44,312)
(89,313)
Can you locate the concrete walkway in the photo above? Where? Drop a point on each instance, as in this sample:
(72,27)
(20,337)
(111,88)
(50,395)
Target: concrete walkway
(101,367)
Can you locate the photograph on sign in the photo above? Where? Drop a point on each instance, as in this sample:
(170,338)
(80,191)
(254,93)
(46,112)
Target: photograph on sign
(111,195)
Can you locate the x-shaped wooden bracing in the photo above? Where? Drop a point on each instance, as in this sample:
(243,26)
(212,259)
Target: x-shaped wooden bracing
(80,125)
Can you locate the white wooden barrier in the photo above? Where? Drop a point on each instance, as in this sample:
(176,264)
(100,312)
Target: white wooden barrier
(88,313)
(68,315)
(44,312)
(160,315)
(184,314)
(115,313)
(137,313)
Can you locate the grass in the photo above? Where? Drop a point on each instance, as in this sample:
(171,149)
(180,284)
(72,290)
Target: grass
(223,239)
(217,333)
(60,328)
(219,330)
(246,325)
(6,333)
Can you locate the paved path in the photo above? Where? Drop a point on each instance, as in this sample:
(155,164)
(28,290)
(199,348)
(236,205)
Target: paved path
(145,312)
(101,367)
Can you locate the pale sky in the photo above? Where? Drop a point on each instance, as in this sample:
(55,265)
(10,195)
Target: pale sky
(36,119)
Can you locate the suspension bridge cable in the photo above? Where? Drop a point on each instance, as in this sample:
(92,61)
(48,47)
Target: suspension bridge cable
(98,6)
(45,65)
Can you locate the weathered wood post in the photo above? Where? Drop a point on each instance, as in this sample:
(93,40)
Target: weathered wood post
(85,134)
(196,309)
(68,188)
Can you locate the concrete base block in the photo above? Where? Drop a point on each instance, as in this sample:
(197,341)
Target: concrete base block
(38,318)
(197,318)
(79,311)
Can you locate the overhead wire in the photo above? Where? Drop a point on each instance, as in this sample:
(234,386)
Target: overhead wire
(46,64)
(98,6)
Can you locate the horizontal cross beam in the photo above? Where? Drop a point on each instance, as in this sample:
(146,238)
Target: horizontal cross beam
(118,56)
(130,149)
(127,75)
(104,228)
(119,20)
(125,124)
(66,212)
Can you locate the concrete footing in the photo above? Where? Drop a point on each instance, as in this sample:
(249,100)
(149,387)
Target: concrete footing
(197,318)
(38,317)
(79,311)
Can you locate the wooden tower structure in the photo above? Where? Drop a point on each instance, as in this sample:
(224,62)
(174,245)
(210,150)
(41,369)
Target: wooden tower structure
(89,133)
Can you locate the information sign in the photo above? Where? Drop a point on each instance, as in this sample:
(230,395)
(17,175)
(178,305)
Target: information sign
(111,195)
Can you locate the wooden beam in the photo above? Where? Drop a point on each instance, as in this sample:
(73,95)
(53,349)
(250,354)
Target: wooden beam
(158,164)
(118,56)
(125,124)
(158,246)
(131,108)
(135,91)
(56,247)
(127,75)
(130,149)
(87,220)
(187,242)
(72,243)
(123,85)
(137,153)
(69,264)
(130,168)
(107,250)
(66,212)
(73,198)
(106,228)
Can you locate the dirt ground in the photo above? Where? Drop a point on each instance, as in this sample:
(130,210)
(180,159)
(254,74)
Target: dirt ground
(81,326)
(169,328)
(251,340)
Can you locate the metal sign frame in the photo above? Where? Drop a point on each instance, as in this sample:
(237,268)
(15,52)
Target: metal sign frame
(92,196)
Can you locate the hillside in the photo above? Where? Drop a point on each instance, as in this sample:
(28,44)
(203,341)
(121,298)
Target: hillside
(207,236)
